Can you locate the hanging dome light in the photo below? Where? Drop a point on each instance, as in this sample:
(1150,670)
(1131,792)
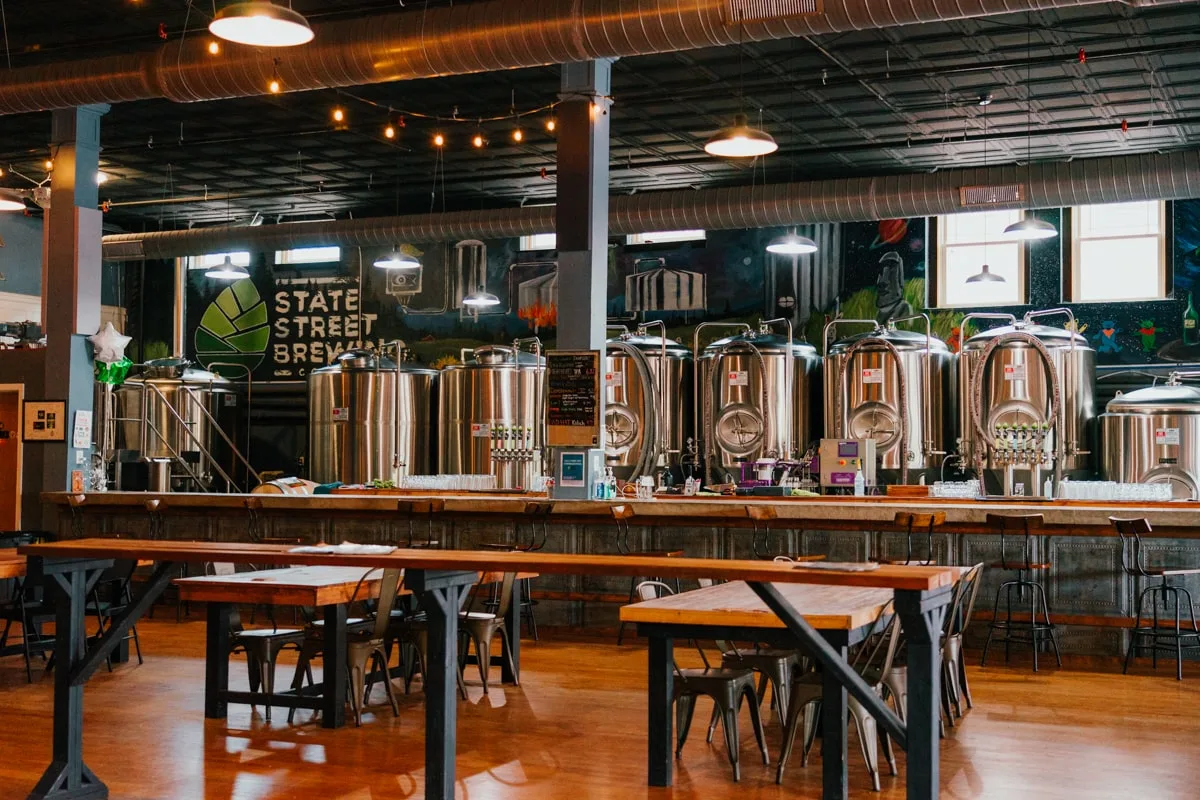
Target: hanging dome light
(481,299)
(986,276)
(397,260)
(1028,228)
(11,200)
(262,24)
(792,245)
(740,141)
(227,271)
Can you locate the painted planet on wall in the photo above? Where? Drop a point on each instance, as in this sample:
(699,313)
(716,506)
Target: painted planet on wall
(890,232)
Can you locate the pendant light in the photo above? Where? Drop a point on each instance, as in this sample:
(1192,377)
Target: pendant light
(792,245)
(986,276)
(481,298)
(397,260)
(1029,228)
(11,200)
(261,23)
(740,140)
(227,271)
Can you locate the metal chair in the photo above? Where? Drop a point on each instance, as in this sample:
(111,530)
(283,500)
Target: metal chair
(368,647)
(539,516)
(914,524)
(873,661)
(621,515)
(29,609)
(118,577)
(728,688)
(954,670)
(480,627)
(1033,631)
(761,519)
(1133,562)
(411,509)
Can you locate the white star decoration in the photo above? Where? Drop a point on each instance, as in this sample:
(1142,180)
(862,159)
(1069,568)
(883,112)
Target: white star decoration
(109,344)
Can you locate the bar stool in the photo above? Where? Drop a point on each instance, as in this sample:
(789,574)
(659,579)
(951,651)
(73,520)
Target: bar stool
(621,515)
(1032,631)
(255,527)
(761,517)
(538,515)
(915,523)
(1134,564)
(427,508)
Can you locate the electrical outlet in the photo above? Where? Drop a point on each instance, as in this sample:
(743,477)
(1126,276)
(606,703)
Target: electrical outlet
(79,456)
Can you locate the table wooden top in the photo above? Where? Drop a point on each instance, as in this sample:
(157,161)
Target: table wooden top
(11,565)
(292,586)
(735,604)
(886,577)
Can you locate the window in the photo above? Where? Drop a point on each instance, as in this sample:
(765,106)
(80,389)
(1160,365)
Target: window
(539,241)
(966,242)
(1118,252)
(309,255)
(241,259)
(665,237)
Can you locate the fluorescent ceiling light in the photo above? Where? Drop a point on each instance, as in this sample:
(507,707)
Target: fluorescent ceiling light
(262,24)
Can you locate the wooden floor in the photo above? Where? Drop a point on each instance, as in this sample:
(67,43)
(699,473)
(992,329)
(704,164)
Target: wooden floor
(575,729)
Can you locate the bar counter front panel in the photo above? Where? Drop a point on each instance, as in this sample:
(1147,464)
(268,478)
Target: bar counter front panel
(1087,589)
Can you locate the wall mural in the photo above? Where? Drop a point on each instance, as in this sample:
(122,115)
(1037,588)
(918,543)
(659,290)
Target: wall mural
(286,320)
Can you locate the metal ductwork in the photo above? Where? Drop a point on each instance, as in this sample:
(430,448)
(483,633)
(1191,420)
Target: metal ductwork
(1151,176)
(471,38)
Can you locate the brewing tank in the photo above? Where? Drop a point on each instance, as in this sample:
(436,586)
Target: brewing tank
(168,412)
(1007,386)
(758,398)
(369,419)
(492,416)
(896,387)
(648,403)
(1152,435)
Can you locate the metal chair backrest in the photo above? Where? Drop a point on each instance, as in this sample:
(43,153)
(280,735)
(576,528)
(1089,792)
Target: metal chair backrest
(784,559)
(881,644)
(387,598)
(506,594)
(917,521)
(1131,530)
(966,607)
(224,568)
(704,583)
(651,590)
(1026,524)
(539,515)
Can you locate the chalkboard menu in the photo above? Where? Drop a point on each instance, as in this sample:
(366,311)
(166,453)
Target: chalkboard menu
(573,398)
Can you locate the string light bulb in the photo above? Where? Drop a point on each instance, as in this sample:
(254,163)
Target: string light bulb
(438,140)
(214,48)
(49,164)
(518,135)
(551,124)
(339,115)
(477,140)
(389,132)
(274,86)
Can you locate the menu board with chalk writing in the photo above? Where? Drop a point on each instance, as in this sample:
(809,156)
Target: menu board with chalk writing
(573,398)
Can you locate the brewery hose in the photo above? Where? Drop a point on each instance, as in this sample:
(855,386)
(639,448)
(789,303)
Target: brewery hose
(901,392)
(648,452)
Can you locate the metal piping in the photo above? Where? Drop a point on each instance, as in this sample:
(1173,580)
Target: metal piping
(468,38)
(1148,176)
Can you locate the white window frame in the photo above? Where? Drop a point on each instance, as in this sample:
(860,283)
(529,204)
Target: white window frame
(538,241)
(994,239)
(326,254)
(1077,266)
(666,237)
(240,259)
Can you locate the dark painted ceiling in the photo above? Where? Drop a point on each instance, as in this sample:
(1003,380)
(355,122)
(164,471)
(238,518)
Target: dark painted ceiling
(901,99)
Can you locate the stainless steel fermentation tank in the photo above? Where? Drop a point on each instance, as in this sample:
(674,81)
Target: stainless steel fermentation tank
(492,414)
(1152,435)
(178,417)
(1027,400)
(756,396)
(648,402)
(893,386)
(369,418)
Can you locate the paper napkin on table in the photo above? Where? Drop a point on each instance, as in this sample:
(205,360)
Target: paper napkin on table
(346,549)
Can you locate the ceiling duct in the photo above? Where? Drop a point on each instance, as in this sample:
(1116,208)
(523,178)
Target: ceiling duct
(469,38)
(1152,176)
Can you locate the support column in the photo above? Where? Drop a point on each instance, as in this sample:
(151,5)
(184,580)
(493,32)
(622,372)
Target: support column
(582,211)
(71,279)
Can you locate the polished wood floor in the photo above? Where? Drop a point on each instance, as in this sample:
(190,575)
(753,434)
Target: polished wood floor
(575,729)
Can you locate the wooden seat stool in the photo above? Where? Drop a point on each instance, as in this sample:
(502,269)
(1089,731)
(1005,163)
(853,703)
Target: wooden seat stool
(761,516)
(914,523)
(621,515)
(539,516)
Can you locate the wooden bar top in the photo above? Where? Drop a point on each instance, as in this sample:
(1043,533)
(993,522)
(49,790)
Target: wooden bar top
(887,577)
(832,512)
(736,605)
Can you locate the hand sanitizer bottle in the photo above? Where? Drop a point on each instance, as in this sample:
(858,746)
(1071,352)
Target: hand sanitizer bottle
(860,483)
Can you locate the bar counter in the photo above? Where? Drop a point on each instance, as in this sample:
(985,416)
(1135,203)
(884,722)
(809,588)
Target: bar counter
(1089,594)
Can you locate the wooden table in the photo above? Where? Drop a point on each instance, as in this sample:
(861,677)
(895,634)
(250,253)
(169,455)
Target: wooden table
(843,615)
(440,578)
(12,566)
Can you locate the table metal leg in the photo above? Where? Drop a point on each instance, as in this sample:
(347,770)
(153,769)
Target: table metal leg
(835,779)
(512,622)
(441,595)
(921,614)
(659,716)
(216,661)
(333,692)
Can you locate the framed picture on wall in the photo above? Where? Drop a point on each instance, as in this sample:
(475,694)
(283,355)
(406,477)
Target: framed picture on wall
(45,421)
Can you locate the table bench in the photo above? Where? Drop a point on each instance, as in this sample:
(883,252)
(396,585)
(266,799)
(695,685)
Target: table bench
(440,578)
